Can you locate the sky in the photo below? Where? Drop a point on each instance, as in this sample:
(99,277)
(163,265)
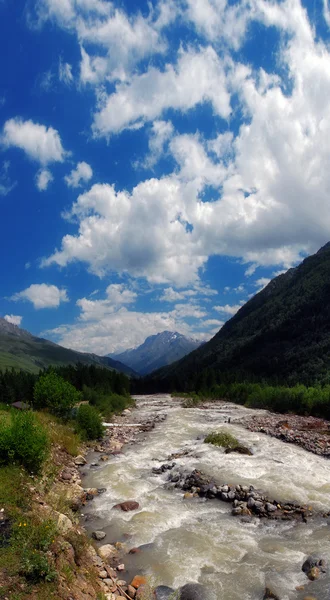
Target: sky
(160,161)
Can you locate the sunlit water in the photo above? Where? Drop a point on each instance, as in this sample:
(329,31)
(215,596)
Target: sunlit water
(198,540)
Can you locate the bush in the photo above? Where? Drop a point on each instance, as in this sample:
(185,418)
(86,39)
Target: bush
(23,441)
(224,439)
(53,392)
(32,539)
(89,422)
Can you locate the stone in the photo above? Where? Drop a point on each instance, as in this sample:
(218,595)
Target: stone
(131,591)
(270,507)
(240,450)
(98,535)
(66,475)
(128,505)
(163,592)
(103,574)
(134,550)
(144,592)
(188,495)
(107,551)
(237,510)
(269,595)
(194,591)
(80,460)
(121,567)
(64,524)
(251,502)
(313,561)
(314,573)
(121,582)
(138,581)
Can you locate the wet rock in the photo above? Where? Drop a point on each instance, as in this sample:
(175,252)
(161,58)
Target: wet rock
(98,535)
(80,460)
(131,591)
(269,594)
(107,551)
(121,567)
(314,573)
(138,581)
(163,592)
(270,507)
(313,561)
(101,490)
(194,591)
(128,505)
(134,550)
(144,592)
(240,450)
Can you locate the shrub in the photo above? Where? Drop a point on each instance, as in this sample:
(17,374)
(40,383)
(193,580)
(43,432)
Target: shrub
(32,539)
(53,392)
(89,422)
(24,441)
(222,438)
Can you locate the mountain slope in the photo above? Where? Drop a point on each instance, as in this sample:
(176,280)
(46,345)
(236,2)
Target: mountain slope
(282,334)
(157,351)
(20,349)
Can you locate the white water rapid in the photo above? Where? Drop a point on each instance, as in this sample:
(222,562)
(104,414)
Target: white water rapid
(200,541)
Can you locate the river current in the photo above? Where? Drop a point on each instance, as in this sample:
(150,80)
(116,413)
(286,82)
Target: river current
(198,540)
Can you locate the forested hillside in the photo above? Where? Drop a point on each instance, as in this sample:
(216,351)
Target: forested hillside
(281,335)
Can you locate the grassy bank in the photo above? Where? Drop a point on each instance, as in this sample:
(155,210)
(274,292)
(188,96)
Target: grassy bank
(301,400)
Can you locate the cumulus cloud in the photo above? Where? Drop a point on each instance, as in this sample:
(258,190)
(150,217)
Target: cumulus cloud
(171,295)
(161,133)
(228,309)
(42,295)
(39,142)
(43,179)
(14,319)
(81,174)
(108,325)
(197,77)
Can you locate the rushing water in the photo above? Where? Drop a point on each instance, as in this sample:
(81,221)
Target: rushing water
(197,540)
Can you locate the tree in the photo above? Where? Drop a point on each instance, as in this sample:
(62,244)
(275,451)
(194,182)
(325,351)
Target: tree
(53,392)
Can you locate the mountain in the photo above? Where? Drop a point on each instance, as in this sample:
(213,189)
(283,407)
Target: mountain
(282,334)
(157,351)
(21,349)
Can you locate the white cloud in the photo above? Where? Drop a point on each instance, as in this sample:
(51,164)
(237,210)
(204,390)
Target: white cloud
(198,76)
(171,295)
(6,185)
(228,309)
(65,72)
(81,174)
(42,295)
(261,283)
(161,133)
(117,296)
(14,319)
(43,179)
(219,20)
(40,143)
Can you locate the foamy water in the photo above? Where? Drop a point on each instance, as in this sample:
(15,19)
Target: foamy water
(199,540)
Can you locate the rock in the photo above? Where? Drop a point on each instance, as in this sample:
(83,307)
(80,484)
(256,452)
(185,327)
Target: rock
(66,475)
(313,561)
(121,567)
(269,595)
(107,551)
(237,511)
(101,490)
(80,460)
(163,592)
(103,574)
(270,507)
(131,591)
(64,524)
(188,495)
(121,598)
(138,581)
(194,591)
(134,550)
(128,505)
(126,411)
(144,592)
(98,535)
(240,450)
(122,582)
(314,573)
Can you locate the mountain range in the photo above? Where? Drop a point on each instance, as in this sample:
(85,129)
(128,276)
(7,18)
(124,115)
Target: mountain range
(156,351)
(282,334)
(21,349)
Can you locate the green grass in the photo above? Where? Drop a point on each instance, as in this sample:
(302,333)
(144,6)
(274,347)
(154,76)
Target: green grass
(8,361)
(221,438)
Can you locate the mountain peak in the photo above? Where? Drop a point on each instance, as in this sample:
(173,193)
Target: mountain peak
(157,350)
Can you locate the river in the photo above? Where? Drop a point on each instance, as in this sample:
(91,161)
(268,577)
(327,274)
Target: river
(200,541)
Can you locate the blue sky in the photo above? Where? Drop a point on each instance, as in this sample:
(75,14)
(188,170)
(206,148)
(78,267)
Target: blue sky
(159,162)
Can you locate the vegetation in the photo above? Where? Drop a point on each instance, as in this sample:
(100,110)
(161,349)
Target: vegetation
(221,438)
(23,441)
(89,422)
(53,392)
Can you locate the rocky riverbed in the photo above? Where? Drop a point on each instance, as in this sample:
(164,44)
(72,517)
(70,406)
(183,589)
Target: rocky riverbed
(155,512)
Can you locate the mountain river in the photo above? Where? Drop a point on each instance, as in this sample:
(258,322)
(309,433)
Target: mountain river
(199,540)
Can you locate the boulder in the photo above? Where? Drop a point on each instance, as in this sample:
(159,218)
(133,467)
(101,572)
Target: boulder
(163,592)
(80,460)
(313,561)
(107,551)
(270,595)
(240,450)
(128,505)
(144,592)
(194,591)
(314,573)
(64,524)
(98,535)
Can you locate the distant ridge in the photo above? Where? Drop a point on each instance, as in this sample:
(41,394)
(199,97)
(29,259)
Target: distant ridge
(20,349)
(157,350)
(282,334)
